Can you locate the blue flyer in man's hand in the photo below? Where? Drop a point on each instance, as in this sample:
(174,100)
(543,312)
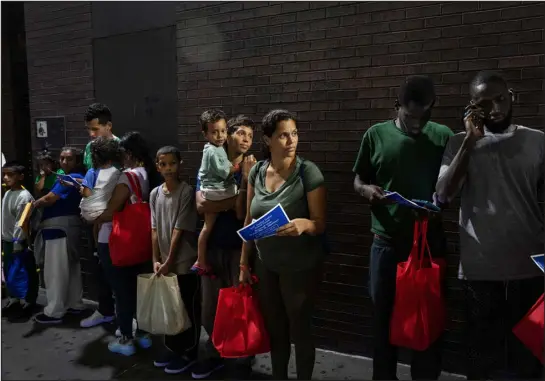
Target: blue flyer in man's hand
(538,259)
(266,225)
(415,204)
(399,199)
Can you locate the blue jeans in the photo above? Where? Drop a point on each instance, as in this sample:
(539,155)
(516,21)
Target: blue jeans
(384,257)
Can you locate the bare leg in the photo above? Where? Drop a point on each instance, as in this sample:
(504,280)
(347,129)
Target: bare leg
(209,221)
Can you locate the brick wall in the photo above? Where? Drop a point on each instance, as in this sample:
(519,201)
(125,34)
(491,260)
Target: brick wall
(8,126)
(60,74)
(15,112)
(60,65)
(337,65)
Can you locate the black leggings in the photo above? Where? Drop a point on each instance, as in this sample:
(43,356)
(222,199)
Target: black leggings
(287,305)
(187,342)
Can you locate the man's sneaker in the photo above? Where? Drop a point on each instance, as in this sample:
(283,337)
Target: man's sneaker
(123,345)
(12,307)
(143,340)
(205,368)
(95,319)
(164,358)
(134,326)
(179,365)
(44,319)
(74,311)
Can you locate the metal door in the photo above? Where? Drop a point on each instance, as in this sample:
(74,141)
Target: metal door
(135,75)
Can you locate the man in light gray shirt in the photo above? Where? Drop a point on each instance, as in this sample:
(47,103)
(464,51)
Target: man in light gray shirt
(498,169)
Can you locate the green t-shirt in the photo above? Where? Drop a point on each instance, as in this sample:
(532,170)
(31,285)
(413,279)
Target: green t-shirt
(50,179)
(87,155)
(395,161)
(287,254)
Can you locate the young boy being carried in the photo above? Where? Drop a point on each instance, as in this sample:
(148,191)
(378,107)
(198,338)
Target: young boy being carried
(173,224)
(216,177)
(15,241)
(100,181)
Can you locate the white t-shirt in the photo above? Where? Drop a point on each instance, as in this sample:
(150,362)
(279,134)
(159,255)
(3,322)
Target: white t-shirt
(142,176)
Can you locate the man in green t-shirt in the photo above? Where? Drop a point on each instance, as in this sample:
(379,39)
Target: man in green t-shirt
(98,121)
(402,155)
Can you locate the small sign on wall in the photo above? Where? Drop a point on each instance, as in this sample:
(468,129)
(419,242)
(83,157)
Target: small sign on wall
(50,132)
(41,129)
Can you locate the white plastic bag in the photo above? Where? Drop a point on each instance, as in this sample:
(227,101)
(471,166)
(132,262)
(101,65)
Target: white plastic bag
(160,309)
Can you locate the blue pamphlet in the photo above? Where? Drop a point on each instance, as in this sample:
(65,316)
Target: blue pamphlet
(69,180)
(427,205)
(399,199)
(266,225)
(538,259)
(415,204)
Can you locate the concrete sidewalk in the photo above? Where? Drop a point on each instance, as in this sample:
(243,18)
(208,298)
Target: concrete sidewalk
(68,352)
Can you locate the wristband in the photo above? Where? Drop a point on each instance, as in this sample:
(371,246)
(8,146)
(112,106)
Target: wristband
(244,267)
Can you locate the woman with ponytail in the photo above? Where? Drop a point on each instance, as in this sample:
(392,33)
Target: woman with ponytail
(136,160)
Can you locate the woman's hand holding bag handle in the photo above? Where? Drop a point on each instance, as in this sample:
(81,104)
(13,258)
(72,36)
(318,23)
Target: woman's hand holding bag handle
(239,329)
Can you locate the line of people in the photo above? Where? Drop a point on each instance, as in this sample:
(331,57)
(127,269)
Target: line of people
(496,167)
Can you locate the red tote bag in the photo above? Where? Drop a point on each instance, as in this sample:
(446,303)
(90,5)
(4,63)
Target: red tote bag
(239,330)
(130,240)
(530,330)
(419,313)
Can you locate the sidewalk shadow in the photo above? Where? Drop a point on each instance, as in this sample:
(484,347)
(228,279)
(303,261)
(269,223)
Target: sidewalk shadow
(146,371)
(95,355)
(22,319)
(69,322)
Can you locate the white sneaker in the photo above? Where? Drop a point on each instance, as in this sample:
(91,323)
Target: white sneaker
(95,319)
(134,327)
